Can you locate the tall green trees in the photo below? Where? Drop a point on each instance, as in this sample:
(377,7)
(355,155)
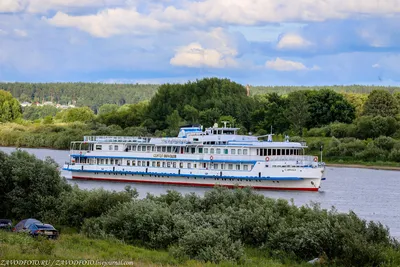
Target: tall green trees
(212,97)
(10,108)
(297,111)
(381,103)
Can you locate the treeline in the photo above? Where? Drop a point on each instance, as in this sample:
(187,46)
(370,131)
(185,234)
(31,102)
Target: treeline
(358,89)
(214,228)
(92,95)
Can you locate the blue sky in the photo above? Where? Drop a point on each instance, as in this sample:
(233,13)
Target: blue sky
(257,42)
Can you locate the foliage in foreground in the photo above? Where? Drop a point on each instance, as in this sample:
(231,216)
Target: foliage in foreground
(214,228)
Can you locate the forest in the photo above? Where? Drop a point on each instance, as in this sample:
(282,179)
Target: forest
(350,126)
(231,227)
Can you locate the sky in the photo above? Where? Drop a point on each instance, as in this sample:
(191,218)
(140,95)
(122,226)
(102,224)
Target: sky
(256,42)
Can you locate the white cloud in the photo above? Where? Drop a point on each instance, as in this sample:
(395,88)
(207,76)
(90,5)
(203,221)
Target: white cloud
(3,32)
(42,6)
(292,41)
(257,11)
(195,56)
(10,6)
(376,65)
(109,22)
(20,33)
(287,65)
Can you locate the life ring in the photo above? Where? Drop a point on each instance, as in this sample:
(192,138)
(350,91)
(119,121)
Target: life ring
(80,153)
(267,159)
(211,157)
(315,159)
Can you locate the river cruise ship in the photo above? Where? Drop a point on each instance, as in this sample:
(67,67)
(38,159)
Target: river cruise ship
(215,156)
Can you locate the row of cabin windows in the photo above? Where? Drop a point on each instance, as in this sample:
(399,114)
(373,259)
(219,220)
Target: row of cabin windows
(277,152)
(168,164)
(170,149)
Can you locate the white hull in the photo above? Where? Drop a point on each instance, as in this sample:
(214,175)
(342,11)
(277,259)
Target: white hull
(304,179)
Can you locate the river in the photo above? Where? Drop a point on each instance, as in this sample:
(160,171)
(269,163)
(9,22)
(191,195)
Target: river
(371,194)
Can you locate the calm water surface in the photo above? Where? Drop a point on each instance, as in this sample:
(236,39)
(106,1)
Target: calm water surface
(372,194)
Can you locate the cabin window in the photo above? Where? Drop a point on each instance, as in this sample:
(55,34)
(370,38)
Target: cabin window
(163,164)
(239,152)
(158,149)
(189,165)
(111,161)
(163,149)
(212,151)
(139,163)
(273,152)
(115,147)
(225,151)
(245,167)
(206,150)
(97,161)
(153,148)
(169,149)
(180,164)
(133,162)
(200,150)
(139,148)
(195,166)
(233,151)
(218,150)
(110,147)
(102,161)
(148,148)
(238,167)
(222,166)
(195,139)
(230,166)
(148,163)
(278,152)
(258,152)
(193,150)
(245,151)
(128,162)
(98,147)
(153,164)
(106,161)
(174,164)
(158,164)
(216,166)
(133,148)
(168,164)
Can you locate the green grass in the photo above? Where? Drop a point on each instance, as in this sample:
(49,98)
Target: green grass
(73,246)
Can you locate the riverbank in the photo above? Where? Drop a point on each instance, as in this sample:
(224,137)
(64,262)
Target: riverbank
(76,249)
(361,166)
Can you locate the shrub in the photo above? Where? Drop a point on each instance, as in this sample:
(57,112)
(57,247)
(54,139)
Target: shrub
(372,153)
(394,155)
(384,142)
(209,245)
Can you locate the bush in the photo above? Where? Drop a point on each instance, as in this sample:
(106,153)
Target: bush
(394,155)
(340,130)
(319,132)
(384,142)
(208,245)
(372,153)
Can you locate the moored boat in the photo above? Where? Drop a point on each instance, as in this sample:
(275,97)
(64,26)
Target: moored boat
(215,156)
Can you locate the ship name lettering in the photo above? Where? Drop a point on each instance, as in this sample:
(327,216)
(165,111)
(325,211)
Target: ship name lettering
(164,156)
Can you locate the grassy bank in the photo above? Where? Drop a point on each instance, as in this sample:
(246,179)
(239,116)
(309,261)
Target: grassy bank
(72,246)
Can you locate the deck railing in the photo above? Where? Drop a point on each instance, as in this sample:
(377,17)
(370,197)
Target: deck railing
(293,158)
(117,139)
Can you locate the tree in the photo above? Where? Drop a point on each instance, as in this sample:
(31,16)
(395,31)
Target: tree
(327,106)
(297,111)
(83,114)
(191,114)
(174,121)
(10,108)
(381,103)
(270,113)
(108,108)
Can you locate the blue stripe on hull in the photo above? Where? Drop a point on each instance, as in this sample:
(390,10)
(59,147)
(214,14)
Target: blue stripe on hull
(267,178)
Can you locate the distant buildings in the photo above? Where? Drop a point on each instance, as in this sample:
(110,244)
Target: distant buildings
(47,103)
